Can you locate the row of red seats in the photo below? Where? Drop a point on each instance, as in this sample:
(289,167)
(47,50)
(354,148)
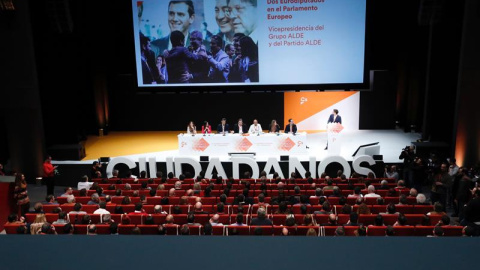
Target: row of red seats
(235,192)
(277,219)
(230,200)
(374,209)
(266,230)
(253,181)
(268,187)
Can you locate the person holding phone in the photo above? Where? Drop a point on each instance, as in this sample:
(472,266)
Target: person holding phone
(49,175)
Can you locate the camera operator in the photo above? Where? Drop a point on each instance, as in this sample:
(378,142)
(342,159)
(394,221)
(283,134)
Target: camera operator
(408,156)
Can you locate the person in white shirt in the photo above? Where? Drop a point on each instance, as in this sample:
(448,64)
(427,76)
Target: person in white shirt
(84,183)
(371,192)
(102,209)
(255,128)
(191,128)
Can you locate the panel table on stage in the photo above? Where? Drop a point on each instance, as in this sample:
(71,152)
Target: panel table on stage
(263,144)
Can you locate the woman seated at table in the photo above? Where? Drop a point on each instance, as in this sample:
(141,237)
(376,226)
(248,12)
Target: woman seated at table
(191,128)
(274,127)
(206,128)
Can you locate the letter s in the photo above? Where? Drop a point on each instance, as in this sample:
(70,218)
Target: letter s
(362,170)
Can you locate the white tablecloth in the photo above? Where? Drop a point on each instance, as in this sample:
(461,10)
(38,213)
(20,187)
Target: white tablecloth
(264,144)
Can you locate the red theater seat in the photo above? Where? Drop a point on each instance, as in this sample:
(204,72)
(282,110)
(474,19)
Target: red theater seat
(218,230)
(171,229)
(302,230)
(423,230)
(195,230)
(125,229)
(12,228)
(404,230)
(422,209)
(148,229)
(266,230)
(390,219)
(241,230)
(376,230)
(366,219)
(452,230)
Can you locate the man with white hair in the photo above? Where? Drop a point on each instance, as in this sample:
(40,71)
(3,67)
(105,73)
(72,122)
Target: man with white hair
(114,174)
(421,199)
(261,219)
(384,185)
(178,185)
(371,192)
(158,210)
(94,200)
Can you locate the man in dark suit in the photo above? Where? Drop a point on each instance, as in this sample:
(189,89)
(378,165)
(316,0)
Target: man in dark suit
(334,118)
(291,127)
(240,127)
(181,15)
(223,127)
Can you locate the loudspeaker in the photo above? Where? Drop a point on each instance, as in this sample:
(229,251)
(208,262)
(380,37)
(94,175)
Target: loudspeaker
(284,158)
(67,152)
(377,157)
(104,159)
(203,158)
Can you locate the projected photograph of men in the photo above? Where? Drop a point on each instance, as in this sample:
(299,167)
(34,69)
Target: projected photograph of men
(207,42)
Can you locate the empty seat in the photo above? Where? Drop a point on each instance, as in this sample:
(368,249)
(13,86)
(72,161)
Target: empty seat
(237,230)
(404,230)
(376,230)
(452,230)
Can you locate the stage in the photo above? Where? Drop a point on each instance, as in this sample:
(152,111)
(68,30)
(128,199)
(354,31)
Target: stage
(164,144)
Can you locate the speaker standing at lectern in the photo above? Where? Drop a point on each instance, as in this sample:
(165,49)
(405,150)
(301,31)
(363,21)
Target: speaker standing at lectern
(334,118)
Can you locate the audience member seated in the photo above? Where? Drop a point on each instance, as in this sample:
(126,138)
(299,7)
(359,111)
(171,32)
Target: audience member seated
(340,231)
(138,210)
(261,219)
(92,229)
(422,200)
(158,209)
(326,209)
(215,220)
(77,209)
(353,221)
(401,221)
(102,208)
(371,192)
(239,220)
(94,199)
(332,220)
(62,218)
(437,232)
(437,209)
(84,184)
(391,210)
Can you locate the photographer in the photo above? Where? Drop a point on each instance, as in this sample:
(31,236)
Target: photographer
(408,157)
(391,172)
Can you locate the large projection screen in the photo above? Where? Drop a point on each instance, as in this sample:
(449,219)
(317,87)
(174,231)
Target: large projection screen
(285,42)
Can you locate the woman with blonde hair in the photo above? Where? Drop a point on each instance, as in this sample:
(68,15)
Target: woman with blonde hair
(311,232)
(37,224)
